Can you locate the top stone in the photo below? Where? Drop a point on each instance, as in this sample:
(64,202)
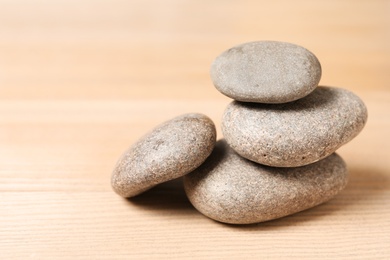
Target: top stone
(266,72)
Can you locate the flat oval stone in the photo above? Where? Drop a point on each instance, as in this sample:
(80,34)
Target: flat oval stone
(231,189)
(169,151)
(266,72)
(295,133)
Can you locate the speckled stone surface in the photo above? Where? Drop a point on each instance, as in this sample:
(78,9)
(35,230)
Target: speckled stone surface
(266,72)
(171,150)
(231,189)
(295,133)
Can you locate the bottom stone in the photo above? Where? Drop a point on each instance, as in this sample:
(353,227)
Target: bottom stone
(234,190)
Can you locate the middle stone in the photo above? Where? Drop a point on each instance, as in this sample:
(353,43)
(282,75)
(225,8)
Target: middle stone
(295,133)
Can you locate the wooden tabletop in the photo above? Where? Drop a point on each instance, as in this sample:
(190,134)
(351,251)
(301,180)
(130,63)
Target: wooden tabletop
(82,80)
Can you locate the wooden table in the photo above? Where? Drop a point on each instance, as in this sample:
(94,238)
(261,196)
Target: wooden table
(82,80)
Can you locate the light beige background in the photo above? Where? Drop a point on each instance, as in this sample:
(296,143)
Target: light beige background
(81,80)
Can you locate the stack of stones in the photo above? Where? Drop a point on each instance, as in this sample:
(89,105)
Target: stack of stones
(281,132)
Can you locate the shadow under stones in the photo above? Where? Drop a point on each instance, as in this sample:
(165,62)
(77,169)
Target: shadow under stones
(359,196)
(165,196)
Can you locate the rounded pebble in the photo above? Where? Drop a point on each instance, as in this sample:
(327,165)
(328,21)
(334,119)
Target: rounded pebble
(266,72)
(234,190)
(171,150)
(295,133)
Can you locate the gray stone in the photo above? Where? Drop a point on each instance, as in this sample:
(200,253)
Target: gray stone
(171,150)
(231,189)
(266,72)
(295,133)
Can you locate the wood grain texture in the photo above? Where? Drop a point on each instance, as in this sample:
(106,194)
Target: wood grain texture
(81,80)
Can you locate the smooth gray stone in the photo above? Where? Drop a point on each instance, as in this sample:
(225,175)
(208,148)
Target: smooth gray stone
(266,72)
(295,133)
(169,151)
(231,189)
